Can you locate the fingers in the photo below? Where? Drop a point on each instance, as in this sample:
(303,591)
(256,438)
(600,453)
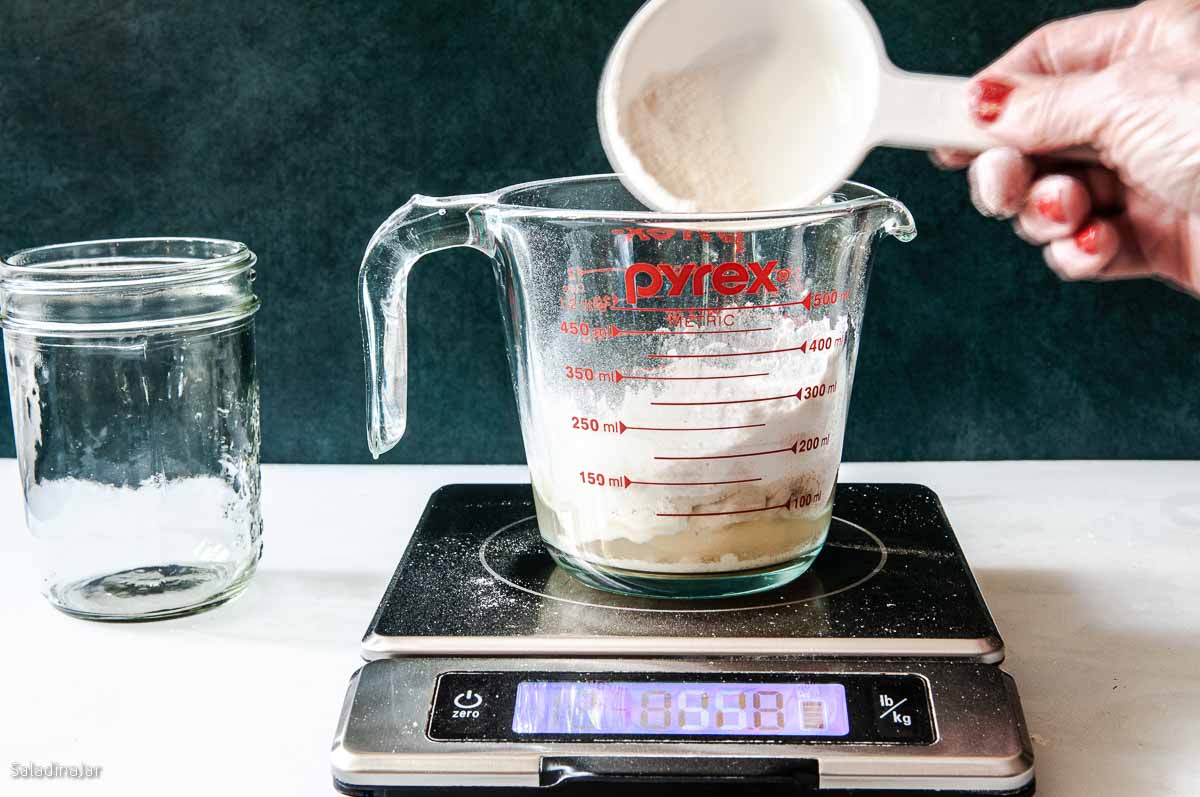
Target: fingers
(1044,114)
(1105,188)
(1056,207)
(1076,44)
(951,159)
(1087,253)
(999,180)
(1060,211)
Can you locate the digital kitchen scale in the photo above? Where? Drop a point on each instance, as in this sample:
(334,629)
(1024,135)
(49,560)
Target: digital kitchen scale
(492,671)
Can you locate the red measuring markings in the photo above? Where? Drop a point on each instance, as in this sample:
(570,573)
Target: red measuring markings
(802,347)
(789,449)
(711,403)
(623,428)
(809,392)
(629,481)
(738,239)
(617,331)
(730,512)
(618,376)
(806,301)
(586,424)
(793,502)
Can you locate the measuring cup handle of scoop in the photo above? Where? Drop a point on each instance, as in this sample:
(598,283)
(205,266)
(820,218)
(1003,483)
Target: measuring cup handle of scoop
(922,111)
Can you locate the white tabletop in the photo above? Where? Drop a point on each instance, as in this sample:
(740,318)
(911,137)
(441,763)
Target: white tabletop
(1091,569)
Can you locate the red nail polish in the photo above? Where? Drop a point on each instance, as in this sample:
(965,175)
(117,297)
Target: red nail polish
(987,99)
(1088,238)
(1051,208)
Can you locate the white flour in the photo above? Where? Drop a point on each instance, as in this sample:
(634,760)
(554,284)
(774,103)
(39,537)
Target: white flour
(750,126)
(643,526)
(684,154)
(84,527)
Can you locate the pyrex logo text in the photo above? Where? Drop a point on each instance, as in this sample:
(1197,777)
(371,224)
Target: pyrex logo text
(727,279)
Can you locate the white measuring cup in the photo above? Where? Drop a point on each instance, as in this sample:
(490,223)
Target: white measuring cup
(682,380)
(802,91)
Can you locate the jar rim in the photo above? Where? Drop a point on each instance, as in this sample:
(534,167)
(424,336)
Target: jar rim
(123,285)
(116,261)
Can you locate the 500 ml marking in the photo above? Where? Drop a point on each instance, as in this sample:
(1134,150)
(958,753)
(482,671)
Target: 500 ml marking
(829,297)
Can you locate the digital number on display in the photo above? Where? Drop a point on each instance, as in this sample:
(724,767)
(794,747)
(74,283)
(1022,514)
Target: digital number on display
(681,709)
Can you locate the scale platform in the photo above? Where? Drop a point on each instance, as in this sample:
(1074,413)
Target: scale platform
(490,670)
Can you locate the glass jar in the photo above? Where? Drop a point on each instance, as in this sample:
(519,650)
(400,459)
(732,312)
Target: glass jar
(136,421)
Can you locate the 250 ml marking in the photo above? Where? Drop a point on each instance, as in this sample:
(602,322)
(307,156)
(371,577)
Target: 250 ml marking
(586,424)
(592,425)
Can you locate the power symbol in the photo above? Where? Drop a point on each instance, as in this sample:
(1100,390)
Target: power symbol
(468,699)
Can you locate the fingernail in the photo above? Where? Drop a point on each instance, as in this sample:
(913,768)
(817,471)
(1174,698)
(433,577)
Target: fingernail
(1051,207)
(987,99)
(1088,238)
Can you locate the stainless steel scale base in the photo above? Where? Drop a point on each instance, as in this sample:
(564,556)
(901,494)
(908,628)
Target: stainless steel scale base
(477,612)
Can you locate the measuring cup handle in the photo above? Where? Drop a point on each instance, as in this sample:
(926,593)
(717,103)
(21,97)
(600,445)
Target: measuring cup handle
(423,225)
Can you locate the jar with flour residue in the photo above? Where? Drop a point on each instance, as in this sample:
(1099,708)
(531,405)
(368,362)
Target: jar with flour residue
(136,420)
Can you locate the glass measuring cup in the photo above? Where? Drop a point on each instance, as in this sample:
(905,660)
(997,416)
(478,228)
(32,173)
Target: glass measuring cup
(682,380)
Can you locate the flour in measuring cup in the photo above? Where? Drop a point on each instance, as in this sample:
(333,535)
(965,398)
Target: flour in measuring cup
(749,485)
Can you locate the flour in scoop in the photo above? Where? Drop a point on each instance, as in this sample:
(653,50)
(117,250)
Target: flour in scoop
(684,152)
(752,127)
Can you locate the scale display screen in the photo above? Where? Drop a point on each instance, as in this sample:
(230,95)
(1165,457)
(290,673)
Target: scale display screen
(694,708)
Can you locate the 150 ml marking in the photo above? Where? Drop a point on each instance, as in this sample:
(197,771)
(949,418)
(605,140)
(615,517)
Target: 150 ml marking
(596,479)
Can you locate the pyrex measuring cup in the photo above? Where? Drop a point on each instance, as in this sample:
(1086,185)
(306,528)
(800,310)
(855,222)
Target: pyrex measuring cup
(682,380)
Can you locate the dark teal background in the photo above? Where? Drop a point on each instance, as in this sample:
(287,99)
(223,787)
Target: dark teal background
(298,126)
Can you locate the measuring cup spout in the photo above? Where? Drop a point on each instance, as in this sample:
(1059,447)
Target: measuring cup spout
(423,225)
(894,219)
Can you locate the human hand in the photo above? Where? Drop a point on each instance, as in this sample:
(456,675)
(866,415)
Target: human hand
(1127,84)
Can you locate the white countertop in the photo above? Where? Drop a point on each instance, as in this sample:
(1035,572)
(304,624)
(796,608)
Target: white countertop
(1090,568)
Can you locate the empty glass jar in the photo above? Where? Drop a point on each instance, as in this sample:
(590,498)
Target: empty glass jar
(136,419)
